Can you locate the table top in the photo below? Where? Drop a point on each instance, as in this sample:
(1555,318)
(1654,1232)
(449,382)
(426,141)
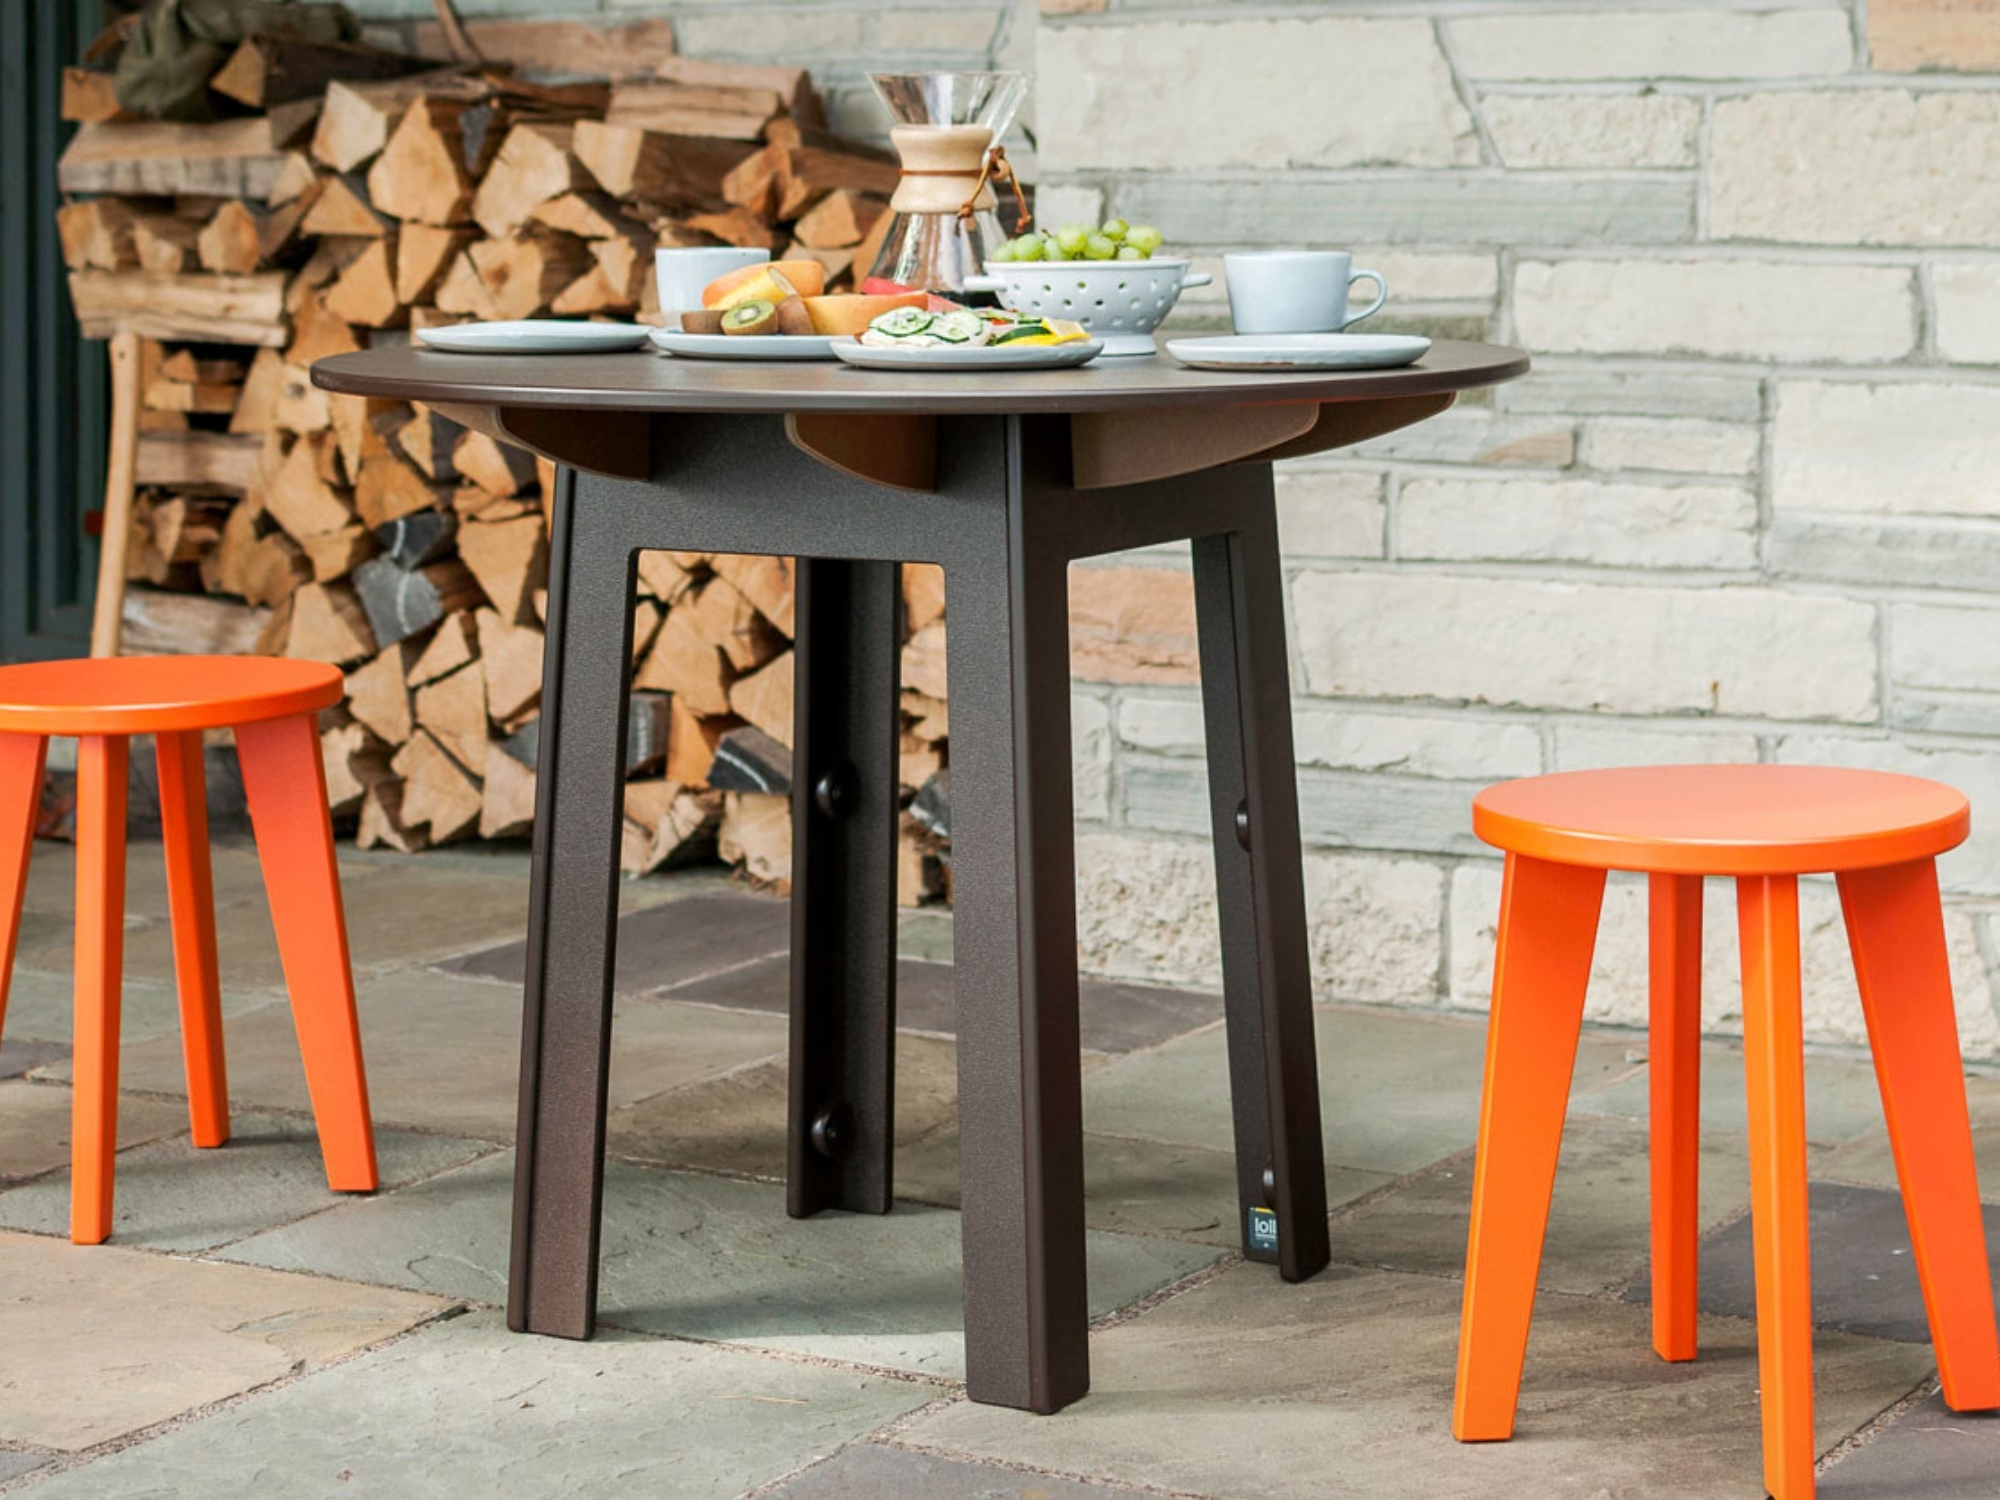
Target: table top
(647,381)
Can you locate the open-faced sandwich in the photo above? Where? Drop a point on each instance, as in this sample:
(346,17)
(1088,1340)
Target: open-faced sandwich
(965,328)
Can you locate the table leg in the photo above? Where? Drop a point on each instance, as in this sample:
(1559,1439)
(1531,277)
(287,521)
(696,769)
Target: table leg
(846,731)
(1014,884)
(572,916)
(1267,984)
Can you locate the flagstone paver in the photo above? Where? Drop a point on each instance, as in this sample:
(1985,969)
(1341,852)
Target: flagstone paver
(869,1471)
(171,1196)
(1598,1221)
(736,1123)
(1114,1017)
(1394,1095)
(1866,1160)
(708,1258)
(1841,1098)
(1248,1389)
(466,1408)
(1864,1279)
(41,1007)
(96,1341)
(1927,1453)
(35,1121)
(443,1053)
(663,944)
(1236,1386)
(1135,1187)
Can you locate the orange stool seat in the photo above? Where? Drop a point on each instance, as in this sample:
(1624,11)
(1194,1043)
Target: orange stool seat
(272,707)
(1764,826)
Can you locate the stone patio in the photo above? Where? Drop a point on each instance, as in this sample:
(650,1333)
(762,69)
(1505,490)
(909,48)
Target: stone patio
(246,1334)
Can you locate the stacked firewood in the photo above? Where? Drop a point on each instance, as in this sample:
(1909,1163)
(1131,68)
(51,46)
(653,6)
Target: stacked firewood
(370,195)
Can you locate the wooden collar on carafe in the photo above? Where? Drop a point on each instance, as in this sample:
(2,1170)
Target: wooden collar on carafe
(944,168)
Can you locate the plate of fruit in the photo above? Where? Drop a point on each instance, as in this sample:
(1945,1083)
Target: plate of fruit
(1110,278)
(774,310)
(966,338)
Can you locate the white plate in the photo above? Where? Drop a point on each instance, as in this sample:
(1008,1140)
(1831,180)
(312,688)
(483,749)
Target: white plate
(982,357)
(743,345)
(1301,351)
(534,336)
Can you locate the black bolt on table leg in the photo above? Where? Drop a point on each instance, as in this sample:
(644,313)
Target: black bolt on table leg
(573,909)
(1267,984)
(845,788)
(1014,945)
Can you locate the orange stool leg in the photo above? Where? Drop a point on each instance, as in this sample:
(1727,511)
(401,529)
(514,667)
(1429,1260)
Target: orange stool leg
(285,783)
(21,760)
(1674,1079)
(191,904)
(1895,925)
(1548,928)
(1767,917)
(100,959)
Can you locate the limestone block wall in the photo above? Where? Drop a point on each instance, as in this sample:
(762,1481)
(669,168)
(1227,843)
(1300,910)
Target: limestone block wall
(1746,508)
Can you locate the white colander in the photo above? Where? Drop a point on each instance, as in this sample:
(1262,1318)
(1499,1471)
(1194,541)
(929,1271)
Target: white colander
(1118,301)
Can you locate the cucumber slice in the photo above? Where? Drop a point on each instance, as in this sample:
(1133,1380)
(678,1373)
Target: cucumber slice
(958,328)
(1035,330)
(904,322)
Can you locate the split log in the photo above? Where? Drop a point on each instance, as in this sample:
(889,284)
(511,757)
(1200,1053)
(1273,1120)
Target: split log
(269,70)
(97,233)
(357,119)
(379,698)
(230,243)
(666,824)
(353,758)
(453,709)
(329,624)
(165,244)
(366,292)
(422,175)
(387,488)
(756,833)
(438,793)
(686,663)
(455,645)
(692,741)
(924,660)
(524,274)
(718,111)
(768,583)
(749,760)
(923,595)
(535,164)
(229,159)
(507,799)
(511,560)
(513,657)
(399,605)
(629,161)
(342,209)
(648,725)
(413,540)
(90,97)
(202,309)
(300,500)
(839,221)
(581,49)
(424,252)
(764,698)
(198,460)
(793,86)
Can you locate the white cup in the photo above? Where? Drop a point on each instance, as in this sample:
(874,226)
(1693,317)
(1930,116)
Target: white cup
(1295,291)
(682,273)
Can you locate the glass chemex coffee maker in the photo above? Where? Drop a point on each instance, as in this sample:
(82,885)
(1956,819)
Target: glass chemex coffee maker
(947,135)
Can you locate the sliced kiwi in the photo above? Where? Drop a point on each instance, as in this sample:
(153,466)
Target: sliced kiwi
(756,316)
(793,317)
(701,320)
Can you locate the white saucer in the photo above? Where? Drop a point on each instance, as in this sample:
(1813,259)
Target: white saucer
(534,336)
(743,345)
(1301,351)
(966,360)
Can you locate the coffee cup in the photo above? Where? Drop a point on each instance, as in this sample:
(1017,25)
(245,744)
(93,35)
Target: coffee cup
(1295,291)
(682,272)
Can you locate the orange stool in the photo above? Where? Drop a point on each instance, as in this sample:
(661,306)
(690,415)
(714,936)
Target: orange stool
(1764,826)
(271,705)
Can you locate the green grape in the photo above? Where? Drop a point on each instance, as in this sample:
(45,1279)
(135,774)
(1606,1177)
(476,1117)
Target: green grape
(1099,247)
(1115,229)
(1145,237)
(1028,247)
(1003,251)
(1130,252)
(1071,239)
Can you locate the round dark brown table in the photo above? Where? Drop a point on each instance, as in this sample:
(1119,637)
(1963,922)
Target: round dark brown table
(1004,479)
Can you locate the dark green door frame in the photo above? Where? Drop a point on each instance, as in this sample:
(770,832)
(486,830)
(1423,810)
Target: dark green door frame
(52,384)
